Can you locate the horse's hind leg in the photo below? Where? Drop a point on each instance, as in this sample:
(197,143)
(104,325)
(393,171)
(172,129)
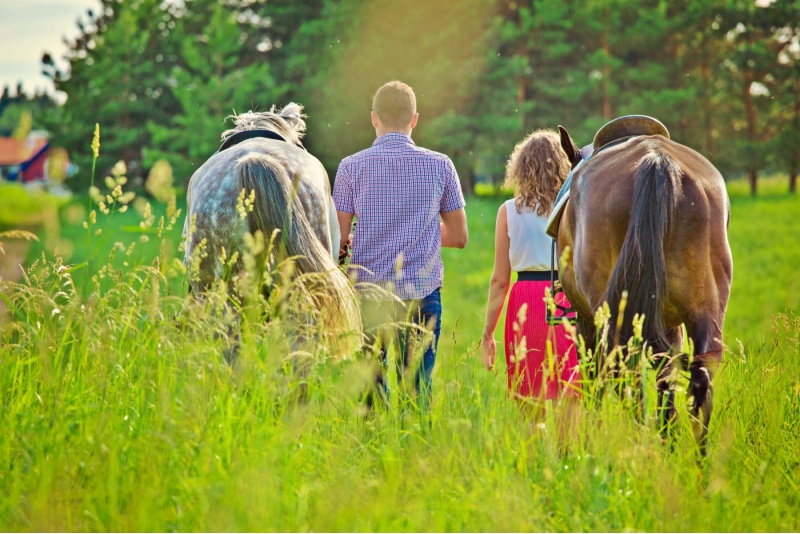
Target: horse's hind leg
(706,335)
(665,383)
(199,288)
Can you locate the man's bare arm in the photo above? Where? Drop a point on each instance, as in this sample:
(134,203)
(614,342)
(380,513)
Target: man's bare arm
(454,228)
(345,223)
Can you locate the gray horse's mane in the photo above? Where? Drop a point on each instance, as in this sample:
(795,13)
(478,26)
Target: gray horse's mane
(288,122)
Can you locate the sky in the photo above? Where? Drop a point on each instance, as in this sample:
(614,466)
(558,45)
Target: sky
(28,28)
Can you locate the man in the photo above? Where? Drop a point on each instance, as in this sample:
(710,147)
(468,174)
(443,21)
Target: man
(408,203)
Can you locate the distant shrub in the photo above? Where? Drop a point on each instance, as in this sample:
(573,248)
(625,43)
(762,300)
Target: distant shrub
(483,189)
(20,206)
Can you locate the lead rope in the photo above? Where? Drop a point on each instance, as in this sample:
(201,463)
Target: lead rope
(555,289)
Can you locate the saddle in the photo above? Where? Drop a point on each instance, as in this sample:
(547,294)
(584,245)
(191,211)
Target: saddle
(612,133)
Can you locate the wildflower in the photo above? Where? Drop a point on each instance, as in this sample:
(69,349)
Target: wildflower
(250,201)
(638,323)
(147,217)
(240,205)
(522,314)
(119,169)
(159,181)
(174,217)
(96,141)
(550,302)
(602,315)
(520,351)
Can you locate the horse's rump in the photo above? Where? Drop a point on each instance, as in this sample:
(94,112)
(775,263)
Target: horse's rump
(641,269)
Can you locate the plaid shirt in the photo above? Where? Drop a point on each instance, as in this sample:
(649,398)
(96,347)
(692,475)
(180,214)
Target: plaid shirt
(396,191)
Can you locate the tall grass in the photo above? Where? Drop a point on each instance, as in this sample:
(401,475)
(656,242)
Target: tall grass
(121,414)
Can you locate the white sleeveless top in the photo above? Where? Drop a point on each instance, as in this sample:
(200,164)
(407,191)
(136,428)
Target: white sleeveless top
(530,246)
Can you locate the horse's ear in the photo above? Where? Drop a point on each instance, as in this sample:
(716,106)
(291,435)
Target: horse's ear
(293,115)
(570,148)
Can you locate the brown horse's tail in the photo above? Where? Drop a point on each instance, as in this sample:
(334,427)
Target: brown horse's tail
(641,268)
(278,207)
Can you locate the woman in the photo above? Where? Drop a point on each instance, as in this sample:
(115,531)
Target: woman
(536,170)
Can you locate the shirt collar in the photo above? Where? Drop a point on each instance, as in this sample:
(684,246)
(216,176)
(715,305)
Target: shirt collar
(394,138)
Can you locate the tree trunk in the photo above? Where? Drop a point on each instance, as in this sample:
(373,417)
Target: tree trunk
(794,159)
(467,179)
(522,88)
(707,114)
(752,134)
(607,110)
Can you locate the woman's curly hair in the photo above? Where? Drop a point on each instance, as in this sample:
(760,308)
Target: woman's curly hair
(536,171)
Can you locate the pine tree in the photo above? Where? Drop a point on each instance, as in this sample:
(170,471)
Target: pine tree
(116,78)
(210,82)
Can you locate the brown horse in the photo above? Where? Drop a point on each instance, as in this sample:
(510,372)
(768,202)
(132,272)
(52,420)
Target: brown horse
(649,216)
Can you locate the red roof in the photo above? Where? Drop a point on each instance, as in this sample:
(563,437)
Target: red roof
(14,152)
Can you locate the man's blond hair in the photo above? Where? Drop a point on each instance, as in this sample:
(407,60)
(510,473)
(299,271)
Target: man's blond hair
(395,104)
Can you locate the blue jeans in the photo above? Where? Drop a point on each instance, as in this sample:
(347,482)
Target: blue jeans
(381,326)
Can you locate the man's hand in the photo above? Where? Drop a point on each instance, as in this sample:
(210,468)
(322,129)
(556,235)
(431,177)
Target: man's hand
(344,250)
(488,351)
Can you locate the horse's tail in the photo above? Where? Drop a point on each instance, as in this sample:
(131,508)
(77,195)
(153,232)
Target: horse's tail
(641,269)
(278,207)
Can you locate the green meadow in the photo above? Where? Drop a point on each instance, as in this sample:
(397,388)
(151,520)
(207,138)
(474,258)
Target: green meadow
(119,412)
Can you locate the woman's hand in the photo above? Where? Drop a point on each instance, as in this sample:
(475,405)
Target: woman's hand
(498,288)
(488,351)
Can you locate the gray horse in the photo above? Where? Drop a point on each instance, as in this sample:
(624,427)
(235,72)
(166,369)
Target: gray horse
(263,180)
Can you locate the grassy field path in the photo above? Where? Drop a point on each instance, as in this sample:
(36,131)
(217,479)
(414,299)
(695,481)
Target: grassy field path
(119,414)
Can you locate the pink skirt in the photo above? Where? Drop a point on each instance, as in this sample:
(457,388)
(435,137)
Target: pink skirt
(531,371)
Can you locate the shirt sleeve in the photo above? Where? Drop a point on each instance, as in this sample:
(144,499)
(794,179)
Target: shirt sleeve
(343,189)
(453,197)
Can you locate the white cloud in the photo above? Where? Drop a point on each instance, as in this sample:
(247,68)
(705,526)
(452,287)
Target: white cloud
(32,27)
